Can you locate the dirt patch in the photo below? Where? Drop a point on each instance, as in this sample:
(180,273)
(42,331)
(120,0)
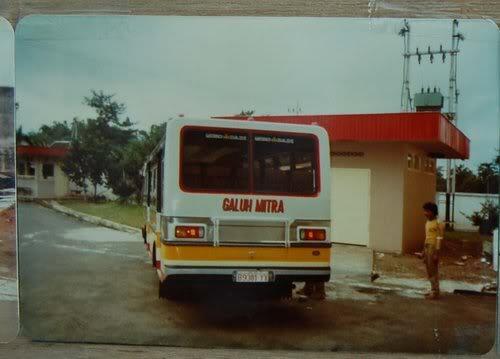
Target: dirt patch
(452,267)
(8,243)
(461,259)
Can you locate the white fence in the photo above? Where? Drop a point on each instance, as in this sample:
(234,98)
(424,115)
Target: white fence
(465,204)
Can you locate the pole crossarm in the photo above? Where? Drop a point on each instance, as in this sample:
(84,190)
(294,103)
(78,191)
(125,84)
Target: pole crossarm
(432,52)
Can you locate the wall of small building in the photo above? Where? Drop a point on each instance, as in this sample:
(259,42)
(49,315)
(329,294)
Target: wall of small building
(387,165)
(61,181)
(51,187)
(419,187)
(27,183)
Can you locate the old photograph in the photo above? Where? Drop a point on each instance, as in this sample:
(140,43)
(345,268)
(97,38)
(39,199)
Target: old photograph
(8,274)
(262,183)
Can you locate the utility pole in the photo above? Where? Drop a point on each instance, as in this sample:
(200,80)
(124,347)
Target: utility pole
(405,89)
(453,93)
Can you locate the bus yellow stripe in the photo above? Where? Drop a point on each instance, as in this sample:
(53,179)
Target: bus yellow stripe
(258,254)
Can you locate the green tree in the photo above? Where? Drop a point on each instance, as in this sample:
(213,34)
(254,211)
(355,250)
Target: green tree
(76,167)
(48,134)
(466,180)
(98,147)
(488,176)
(127,176)
(246,113)
(21,136)
(440,180)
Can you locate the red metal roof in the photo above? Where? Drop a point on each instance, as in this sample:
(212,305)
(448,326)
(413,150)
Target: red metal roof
(429,130)
(40,151)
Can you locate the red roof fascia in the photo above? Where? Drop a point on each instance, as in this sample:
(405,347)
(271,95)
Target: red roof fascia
(420,127)
(454,138)
(39,151)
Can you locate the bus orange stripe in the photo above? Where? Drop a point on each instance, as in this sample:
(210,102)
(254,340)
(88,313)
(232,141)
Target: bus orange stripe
(202,253)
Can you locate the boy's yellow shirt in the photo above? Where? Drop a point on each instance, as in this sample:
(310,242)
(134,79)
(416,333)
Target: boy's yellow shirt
(433,230)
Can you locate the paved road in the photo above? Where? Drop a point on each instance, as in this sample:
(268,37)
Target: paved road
(84,283)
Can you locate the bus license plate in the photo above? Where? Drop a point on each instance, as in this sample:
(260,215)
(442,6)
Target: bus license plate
(252,277)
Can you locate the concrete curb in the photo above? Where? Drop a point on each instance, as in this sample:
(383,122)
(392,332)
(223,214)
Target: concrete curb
(88,218)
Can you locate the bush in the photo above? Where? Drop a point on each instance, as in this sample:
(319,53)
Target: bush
(486,218)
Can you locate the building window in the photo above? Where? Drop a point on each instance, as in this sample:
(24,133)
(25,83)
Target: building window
(21,168)
(25,168)
(30,169)
(433,165)
(416,162)
(410,160)
(430,165)
(48,170)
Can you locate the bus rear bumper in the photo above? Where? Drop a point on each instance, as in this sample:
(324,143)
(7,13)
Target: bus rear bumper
(321,274)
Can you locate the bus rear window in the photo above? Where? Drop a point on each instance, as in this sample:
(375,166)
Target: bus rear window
(214,161)
(284,164)
(218,161)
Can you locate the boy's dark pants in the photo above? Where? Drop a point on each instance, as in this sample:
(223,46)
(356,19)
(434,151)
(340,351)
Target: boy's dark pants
(431,258)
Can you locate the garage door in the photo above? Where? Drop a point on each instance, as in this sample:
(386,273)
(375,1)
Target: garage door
(350,205)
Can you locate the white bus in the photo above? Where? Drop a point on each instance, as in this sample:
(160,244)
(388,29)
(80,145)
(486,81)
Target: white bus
(238,202)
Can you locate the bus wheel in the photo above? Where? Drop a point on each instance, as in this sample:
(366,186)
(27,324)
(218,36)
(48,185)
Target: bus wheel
(167,289)
(286,291)
(162,289)
(153,256)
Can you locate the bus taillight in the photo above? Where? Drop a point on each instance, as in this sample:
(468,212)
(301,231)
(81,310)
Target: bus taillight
(312,234)
(189,231)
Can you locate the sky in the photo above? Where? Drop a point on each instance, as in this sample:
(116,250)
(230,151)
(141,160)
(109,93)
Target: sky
(161,67)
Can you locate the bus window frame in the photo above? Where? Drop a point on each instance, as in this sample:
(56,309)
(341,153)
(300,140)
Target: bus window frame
(148,170)
(250,139)
(159,181)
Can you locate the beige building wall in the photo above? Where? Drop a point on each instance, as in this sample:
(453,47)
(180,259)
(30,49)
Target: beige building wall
(45,186)
(61,181)
(387,163)
(51,187)
(419,187)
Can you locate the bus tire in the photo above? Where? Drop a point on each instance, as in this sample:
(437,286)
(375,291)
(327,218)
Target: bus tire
(162,289)
(167,290)
(144,234)
(153,256)
(285,291)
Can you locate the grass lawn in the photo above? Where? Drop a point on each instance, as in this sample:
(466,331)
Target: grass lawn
(129,214)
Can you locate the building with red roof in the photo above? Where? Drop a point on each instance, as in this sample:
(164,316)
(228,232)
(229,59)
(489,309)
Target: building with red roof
(383,170)
(39,170)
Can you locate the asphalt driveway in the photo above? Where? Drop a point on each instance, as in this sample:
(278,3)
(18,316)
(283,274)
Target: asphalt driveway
(79,282)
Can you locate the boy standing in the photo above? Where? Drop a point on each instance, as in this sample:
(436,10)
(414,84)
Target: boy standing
(434,231)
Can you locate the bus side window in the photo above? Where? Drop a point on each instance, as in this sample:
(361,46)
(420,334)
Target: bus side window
(144,193)
(149,184)
(154,180)
(159,182)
